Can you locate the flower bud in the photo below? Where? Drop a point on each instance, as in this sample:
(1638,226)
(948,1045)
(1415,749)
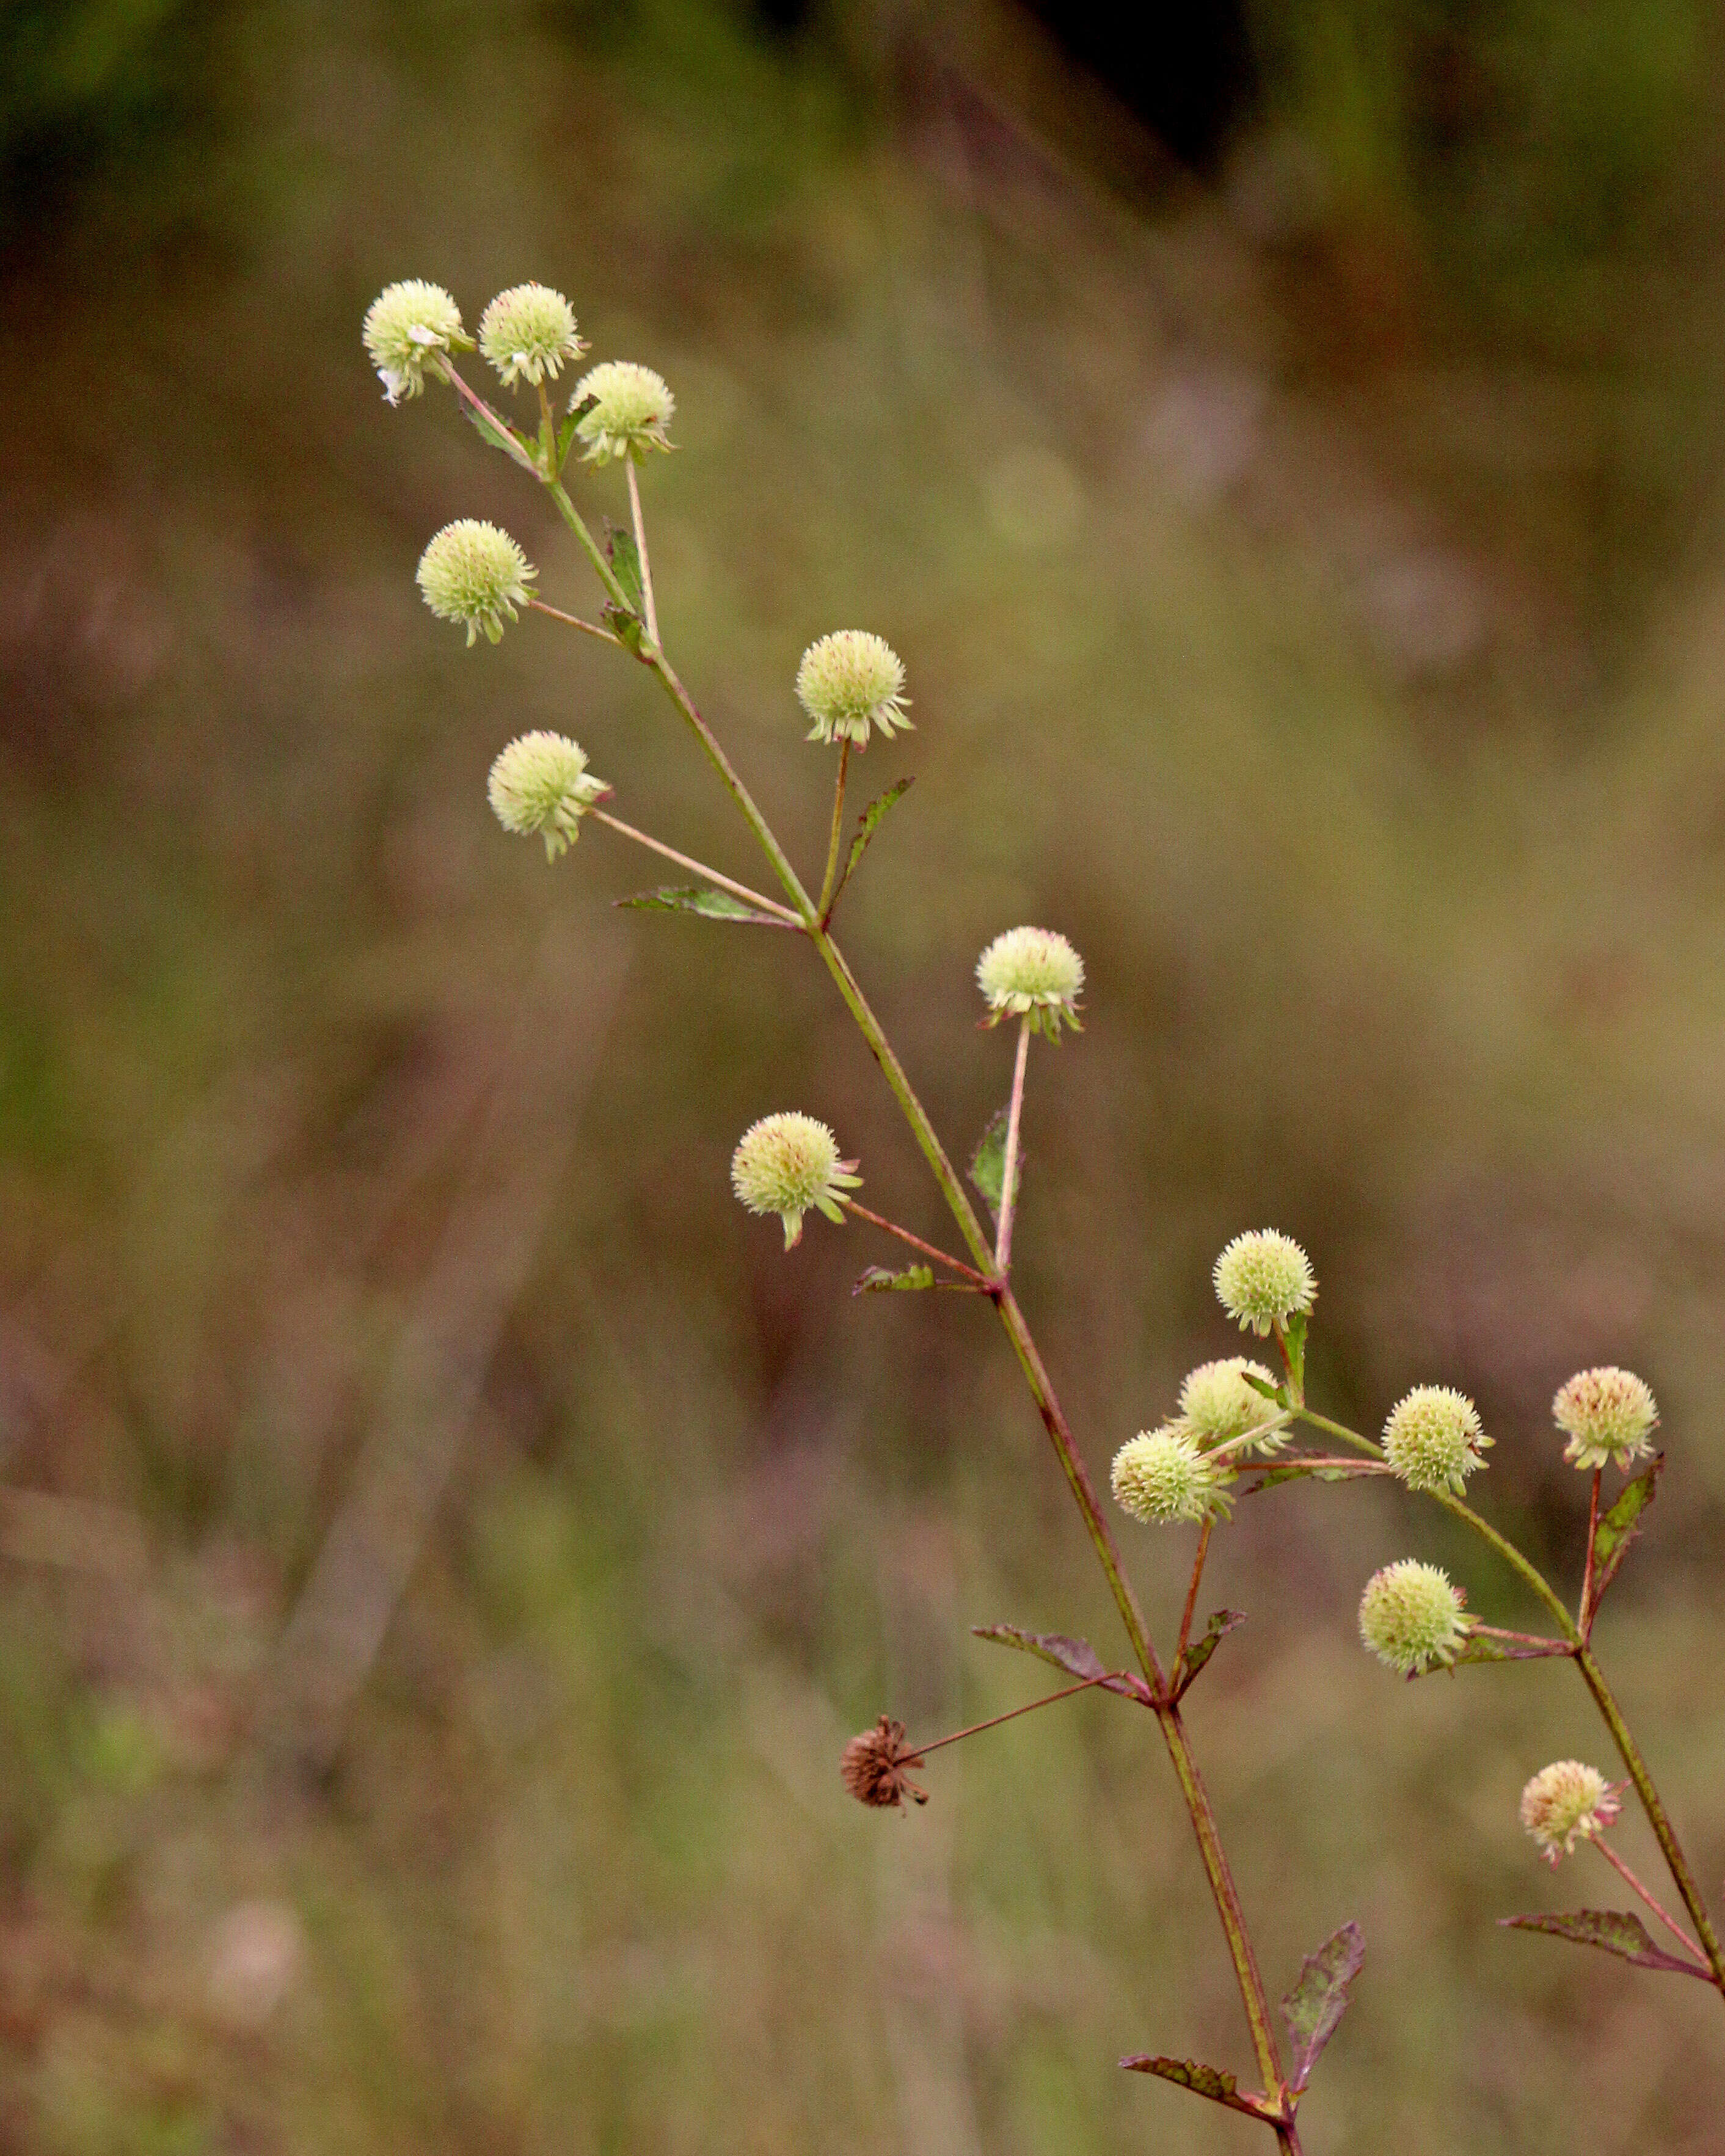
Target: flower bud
(1563,1800)
(1217,1403)
(473,572)
(1609,1415)
(1263,1278)
(541,782)
(1032,972)
(850,681)
(527,332)
(1161,1476)
(1410,1616)
(1433,1439)
(786,1163)
(633,409)
(404,324)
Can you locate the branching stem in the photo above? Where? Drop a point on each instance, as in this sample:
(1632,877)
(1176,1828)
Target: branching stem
(574,621)
(1253,1995)
(1012,1714)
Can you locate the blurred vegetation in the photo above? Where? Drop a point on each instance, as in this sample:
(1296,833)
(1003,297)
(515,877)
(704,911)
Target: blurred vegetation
(446,1544)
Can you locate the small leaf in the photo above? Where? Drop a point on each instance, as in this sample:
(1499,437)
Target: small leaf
(1077,1657)
(876,1279)
(698,898)
(1270,1392)
(1221,1623)
(1317,2002)
(507,440)
(1613,1931)
(625,562)
(629,629)
(1213,2081)
(1620,1524)
(988,1164)
(869,822)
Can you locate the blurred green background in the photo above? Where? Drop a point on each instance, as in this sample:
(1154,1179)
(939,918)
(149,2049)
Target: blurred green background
(445,1542)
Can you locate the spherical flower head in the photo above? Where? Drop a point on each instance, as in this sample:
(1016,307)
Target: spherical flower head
(786,1163)
(848,682)
(1609,1415)
(403,326)
(1563,1800)
(1410,1616)
(473,572)
(1032,972)
(1433,1439)
(1263,1278)
(876,1766)
(1162,1475)
(527,332)
(1217,1404)
(541,782)
(632,408)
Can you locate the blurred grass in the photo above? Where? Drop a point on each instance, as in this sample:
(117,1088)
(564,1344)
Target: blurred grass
(1409,947)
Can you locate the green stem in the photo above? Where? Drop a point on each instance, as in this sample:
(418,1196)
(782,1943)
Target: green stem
(1670,1847)
(635,510)
(1009,1158)
(826,892)
(1513,1557)
(1226,1895)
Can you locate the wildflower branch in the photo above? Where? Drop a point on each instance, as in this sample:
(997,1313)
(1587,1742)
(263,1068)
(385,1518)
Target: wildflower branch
(1204,1544)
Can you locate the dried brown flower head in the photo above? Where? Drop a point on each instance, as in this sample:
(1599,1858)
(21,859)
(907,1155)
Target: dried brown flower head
(874,1765)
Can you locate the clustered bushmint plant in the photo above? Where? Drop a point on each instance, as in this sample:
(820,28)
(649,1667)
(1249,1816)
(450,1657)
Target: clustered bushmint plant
(1236,1416)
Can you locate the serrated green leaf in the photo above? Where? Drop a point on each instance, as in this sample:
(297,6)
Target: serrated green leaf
(1077,1657)
(1221,1623)
(876,1280)
(1212,2082)
(1317,2002)
(1620,1524)
(868,823)
(1613,1931)
(697,898)
(625,562)
(988,1164)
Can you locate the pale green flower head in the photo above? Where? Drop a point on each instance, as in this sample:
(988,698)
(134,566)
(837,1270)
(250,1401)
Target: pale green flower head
(787,1164)
(1411,1618)
(1433,1439)
(1162,1475)
(632,410)
(1608,1414)
(848,682)
(527,332)
(1564,1800)
(1217,1403)
(1032,972)
(1263,1279)
(405,325)
(473,572)
(541,782)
